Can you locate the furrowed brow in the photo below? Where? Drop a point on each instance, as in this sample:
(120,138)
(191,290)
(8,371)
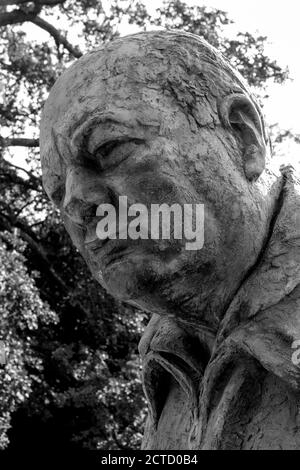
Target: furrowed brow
(82,132)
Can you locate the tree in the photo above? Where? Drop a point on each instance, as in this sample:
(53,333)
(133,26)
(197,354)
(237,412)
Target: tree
(22,314)
(80,381)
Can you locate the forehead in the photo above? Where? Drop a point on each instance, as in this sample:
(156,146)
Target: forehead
(120,71)
(113,74)
(107,83)
(136,79)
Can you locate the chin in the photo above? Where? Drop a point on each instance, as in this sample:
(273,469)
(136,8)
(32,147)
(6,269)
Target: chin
(134,277)
(121,281)
(122,278)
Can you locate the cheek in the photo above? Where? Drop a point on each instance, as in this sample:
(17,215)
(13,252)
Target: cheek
(76,233)
(153,188)
(155,182)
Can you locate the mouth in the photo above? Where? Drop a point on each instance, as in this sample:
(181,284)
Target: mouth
(108,251)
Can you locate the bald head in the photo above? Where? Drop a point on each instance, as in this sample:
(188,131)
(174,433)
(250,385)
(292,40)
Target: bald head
(159,117)
(182,65)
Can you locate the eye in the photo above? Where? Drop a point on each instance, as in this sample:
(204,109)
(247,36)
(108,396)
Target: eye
(112,153)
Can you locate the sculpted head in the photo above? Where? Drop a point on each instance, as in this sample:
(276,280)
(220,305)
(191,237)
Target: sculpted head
(159,117)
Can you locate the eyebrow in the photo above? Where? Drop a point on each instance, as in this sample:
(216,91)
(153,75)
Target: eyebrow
(70,149)
(127,119)
(73,144)
(83,130)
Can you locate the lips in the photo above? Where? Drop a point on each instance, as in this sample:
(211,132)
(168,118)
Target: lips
(109,250)
(95,245)
(117,252)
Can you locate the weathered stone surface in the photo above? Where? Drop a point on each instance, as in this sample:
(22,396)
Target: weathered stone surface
(161,117)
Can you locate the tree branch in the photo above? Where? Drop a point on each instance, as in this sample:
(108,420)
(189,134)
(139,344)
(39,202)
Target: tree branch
(15,17)
(14,179)
(19,142)
(19,16)
(32,177)
(58,37)
(39,2)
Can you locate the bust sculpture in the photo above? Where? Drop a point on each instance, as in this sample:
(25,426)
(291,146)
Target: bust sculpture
(161,117)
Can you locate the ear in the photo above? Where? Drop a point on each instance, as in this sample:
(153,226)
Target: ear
(239,113)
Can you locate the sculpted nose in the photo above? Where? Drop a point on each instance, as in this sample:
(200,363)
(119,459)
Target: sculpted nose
(84,191)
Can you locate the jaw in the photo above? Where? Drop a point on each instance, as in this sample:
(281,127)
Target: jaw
(192,287)
(189,300)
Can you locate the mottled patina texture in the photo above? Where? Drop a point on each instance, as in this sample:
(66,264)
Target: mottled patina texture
(161,117)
